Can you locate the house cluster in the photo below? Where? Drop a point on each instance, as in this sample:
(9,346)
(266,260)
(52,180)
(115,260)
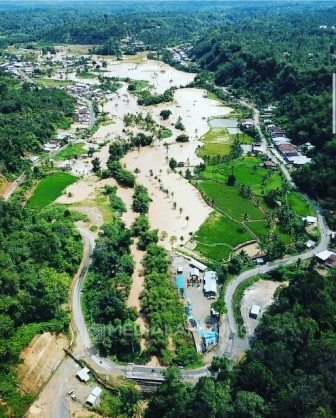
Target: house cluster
(180,55)
(129,42)
(56,142)
(82,90)
(327,257)
(83,114)
(284,145)
(19,69)
(326,27)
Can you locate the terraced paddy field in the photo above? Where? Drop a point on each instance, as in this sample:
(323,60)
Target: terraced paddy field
(248,171)
(227,199)
(217,141)
(259,228)
(218,235)
(49,189)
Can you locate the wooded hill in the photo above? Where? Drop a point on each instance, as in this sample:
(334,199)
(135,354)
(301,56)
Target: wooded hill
(29,117)
(284,56)
(39,253)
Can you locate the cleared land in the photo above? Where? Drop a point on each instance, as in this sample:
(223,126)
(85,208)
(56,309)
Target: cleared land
(40,359)
(50,82)
(49,189)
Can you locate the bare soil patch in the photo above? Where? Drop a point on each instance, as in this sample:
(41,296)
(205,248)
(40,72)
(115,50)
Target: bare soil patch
(40,358)
(260,293)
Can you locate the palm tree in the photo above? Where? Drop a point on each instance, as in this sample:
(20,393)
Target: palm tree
(181,210)
(245,217)
(187,219)
(262,245)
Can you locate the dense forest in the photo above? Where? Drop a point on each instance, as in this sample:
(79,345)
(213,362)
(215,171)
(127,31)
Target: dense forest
(287,59)
(163,23)
(39,253)
(272,53)
(289,371)
(29,117)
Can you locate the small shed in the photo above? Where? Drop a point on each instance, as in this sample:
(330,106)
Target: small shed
(194,273)
(180,270)
(83,375)
(254,312)
(310,243)
(214,313)
(311,220)
(33,159)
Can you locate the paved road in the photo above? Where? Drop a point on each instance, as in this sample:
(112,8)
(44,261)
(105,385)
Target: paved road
(272,265)
(193,375)
(14,186)
(92,114)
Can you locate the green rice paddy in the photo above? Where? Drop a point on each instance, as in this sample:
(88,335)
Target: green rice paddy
(49,189)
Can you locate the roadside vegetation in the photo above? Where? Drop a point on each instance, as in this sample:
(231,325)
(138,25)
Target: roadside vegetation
(285,373)
(40,252)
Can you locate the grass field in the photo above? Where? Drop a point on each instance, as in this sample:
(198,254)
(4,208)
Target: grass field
(283,235)
(217,253)
(228,199)
(213,96)
(243,138)
(299,204)
(215,148)
(70,152)
(217,231)
(216,134)
(49,189)
(139,85)
(49,82)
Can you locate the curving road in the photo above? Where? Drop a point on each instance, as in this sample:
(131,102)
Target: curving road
(154,373)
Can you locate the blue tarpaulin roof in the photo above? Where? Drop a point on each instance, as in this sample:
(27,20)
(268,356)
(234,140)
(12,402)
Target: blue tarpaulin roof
(210,337)
(179,282)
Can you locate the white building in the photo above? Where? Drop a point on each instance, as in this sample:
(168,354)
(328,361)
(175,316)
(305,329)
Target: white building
(324,255)
(254,312)
(83,375)
(94,395)
(197,264)
(210,283)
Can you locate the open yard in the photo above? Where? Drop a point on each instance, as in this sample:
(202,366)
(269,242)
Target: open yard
(49,189)
(229,200)
(70,152)
(218,235)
